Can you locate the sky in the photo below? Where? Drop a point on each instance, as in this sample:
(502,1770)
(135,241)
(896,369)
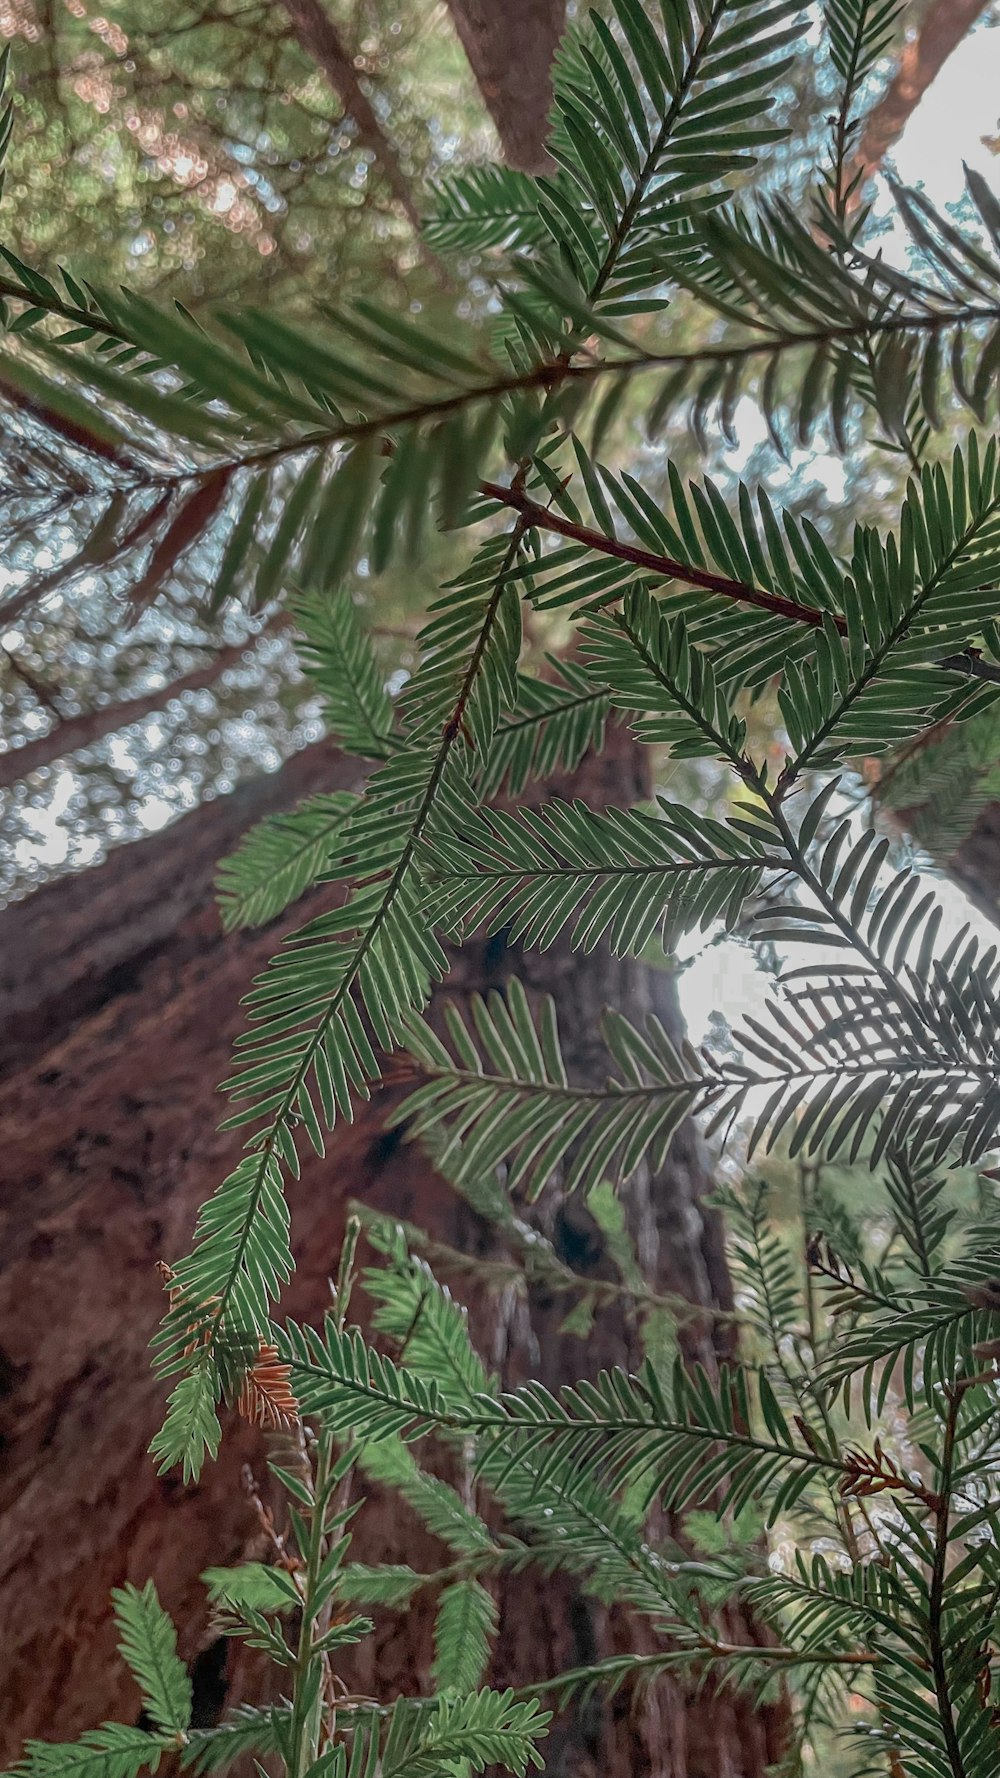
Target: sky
(961,107)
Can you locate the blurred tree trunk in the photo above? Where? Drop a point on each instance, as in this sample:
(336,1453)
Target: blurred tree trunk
(318,36)
(123,1002)
(510,45)
(509,49)
(943,791)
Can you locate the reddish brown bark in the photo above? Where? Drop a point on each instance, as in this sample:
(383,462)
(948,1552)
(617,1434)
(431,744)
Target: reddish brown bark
(124,1005)
(975,866)
(510,48)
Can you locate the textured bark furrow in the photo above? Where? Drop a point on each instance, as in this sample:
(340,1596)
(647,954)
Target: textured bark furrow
(87,938)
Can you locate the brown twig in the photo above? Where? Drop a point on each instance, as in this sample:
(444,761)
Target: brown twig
(542,518)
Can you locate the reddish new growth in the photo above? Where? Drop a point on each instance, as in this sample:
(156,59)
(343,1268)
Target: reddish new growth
(265,1397)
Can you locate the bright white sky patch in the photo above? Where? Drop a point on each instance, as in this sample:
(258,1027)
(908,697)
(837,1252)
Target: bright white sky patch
(723,976)
(961,107)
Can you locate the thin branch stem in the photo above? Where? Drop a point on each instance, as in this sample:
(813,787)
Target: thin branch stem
(935,1613)
(777,1656)
(541,1264)
(742,592)
(306,1722)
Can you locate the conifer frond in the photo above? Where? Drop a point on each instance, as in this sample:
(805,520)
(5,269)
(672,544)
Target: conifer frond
(339,659)
(438,1505)
(244,1622)
(923,1215)
(905,1031)
(389,1583)
(620,877)
(756,588)
(256,452)
(253,1585)
(484,209)
(944,781)
(504,1094)
(630,91)
(729,1664)
(148,1644)
(7,114)
(255,458)
(112,1751)
(818,1605)
(279,859)
(249,1729)
(573,1523)
(858,33)
(265,1397)
(906,1081)
(764,1272)
(267,451)
(649,665)
(846,328)
(191,1431)
(464,1628)
(551,727)
(220,1303)
(690,1450)
(481,1729)
(336,1373)
(425,1321)
(784,587)
(649,115)
(308,1049)
(767,552)
(907,605)
(930,1331)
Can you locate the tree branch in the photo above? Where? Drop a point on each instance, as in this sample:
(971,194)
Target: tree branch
(543,518)
(317,34)
(84,730)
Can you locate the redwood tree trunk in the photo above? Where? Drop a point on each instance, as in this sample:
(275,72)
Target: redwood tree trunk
(123,998)
(510,45)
